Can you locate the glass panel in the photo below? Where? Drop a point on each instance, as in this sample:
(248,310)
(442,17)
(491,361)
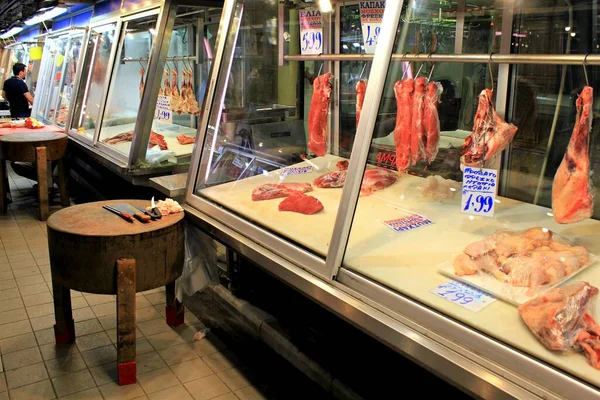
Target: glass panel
(43,88)
(260,125)
(93,76)
(184,79)
(412,235)
(124,97)
(66,84)
(53,72)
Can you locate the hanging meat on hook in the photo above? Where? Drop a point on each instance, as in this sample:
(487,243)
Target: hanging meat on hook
(417,131)
(572,190)
(141,82)
(193,106)
(431,120)
(404,103)
(175,95)
(490,135)
(167,84)
(317,116)
(361,88)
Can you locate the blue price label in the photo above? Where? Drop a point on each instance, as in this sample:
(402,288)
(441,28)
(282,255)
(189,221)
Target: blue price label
(479,189)
(464,295)
(312,40)
(372,35)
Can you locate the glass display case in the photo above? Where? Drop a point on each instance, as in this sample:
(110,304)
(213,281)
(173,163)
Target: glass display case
(439,188)
(157,59)
(61,56)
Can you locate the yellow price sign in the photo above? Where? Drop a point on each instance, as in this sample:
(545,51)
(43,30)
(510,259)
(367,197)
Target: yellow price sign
(59,60)
(35,53)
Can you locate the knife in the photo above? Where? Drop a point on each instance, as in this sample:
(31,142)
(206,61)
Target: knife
(154,212)
(147,213)
(123,215)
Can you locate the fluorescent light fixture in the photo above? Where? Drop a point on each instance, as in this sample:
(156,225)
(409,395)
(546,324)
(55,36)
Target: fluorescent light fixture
(46,15)
(11,32)
(356,44)
(325,6)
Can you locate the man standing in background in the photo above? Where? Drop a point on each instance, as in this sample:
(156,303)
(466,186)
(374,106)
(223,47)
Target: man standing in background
(17,94)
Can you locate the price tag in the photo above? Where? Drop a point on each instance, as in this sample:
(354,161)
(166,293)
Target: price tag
(479,188)
(238,163)
(296,170)
(311,32)
(408,223)
(371,15)
(162,112)
(464,295)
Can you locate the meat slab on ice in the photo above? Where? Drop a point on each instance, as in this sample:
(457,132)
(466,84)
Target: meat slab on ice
(361,88)
(490,135)
(376,179)
(431,120)
(301,203)
(270,191)
(317,116)
(404,102)
(571,191)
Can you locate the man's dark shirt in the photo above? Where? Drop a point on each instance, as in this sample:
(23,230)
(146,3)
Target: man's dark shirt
(15,89)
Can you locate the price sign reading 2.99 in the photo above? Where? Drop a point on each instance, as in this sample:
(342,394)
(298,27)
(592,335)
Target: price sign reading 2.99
(479,190)
(371,15)
(311,32)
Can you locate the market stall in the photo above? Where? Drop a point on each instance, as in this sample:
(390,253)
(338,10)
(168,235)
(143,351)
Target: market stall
(435,182)
(141,58)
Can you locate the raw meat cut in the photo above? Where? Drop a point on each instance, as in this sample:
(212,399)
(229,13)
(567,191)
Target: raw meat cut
(361,88)
(404,101)
(342,165)
(557,318)
(376,179)
(431,120)
(417,131)
(301,203)
(527,259)
(334,179)
(156,139)
(270,191)
(571,191)
(121,137)
(185,139)
(317,116)
(490,135)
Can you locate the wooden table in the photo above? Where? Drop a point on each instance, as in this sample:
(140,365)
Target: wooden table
(39,148)
(93,250)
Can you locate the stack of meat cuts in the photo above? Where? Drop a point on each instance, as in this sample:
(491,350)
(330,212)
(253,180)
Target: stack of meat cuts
(528,259)
(572,188)
(561,320)
(417,130)
(317,116)
(374,179)
(490,135)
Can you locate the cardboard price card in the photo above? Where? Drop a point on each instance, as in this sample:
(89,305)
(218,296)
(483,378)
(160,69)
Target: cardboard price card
(408,223)
(162,112)
(479,189)
(464,295)
(371,15)
(311,32)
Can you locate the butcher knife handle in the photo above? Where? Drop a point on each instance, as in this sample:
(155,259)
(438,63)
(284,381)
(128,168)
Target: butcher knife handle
(142,217)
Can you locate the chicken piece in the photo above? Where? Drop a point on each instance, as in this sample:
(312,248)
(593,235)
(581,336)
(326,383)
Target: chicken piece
(465,265)
(538,236)
(557,318)
(485,245)
(404,104)
(417,131)
(512,245)
(572,188)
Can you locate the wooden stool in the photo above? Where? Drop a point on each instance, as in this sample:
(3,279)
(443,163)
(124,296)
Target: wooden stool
(93,250)
(39,148)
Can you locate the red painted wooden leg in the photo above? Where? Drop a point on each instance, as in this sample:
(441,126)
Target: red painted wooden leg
(175,309)
(126,321)
(64,329)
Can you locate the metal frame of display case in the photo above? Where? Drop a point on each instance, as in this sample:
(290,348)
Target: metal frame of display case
(113,159)
(52,35)
(474,361)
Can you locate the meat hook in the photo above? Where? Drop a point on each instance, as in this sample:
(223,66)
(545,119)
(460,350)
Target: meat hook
(362,71)
(320,69)
(432,68)
(491,72)
(587,81)
(406,66)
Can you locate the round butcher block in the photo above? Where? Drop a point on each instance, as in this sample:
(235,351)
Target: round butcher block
(85,241)
(21,146)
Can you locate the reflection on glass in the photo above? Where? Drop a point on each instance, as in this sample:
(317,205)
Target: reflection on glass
(67,80)
(89,96)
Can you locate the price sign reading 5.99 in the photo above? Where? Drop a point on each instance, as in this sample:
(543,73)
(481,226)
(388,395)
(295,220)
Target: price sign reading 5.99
(479,189)
(311,32)
(371,15)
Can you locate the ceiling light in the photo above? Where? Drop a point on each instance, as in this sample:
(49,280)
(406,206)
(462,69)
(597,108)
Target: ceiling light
(325,6)
(567,28)
(53,13)
(11,32)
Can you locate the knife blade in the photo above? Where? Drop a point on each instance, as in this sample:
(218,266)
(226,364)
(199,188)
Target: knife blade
(123,215)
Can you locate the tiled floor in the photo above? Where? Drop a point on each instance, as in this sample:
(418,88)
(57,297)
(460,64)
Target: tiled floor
(170,365)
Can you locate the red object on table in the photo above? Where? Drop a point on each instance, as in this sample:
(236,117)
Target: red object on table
(22,129)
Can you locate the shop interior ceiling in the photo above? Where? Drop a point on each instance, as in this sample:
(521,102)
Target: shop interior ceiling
(14,12)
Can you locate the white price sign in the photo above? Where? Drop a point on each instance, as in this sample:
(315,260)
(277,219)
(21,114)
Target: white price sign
(311,32)
(479,188)
(371,15)
(162,112)
(464,295)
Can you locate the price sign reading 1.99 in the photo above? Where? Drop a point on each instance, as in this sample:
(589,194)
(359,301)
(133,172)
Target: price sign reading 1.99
(479,189)
(371,14)
(311,32)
